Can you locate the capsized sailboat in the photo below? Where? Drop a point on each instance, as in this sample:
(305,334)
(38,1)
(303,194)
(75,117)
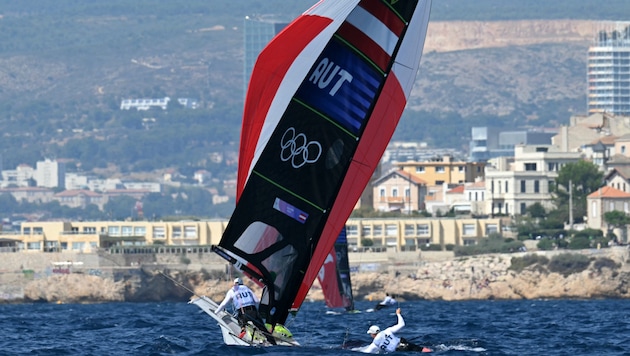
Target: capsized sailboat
(334,276)
(323,101)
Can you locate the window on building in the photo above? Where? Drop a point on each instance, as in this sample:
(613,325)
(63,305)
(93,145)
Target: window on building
(523,208)
(159,232)
(139,231)
(423,229)
(177,232)
(423,242)
(462,169)
(536,186)
(366,230)
(506,186)
(491,229)
(419,169)
(190,232)
(382,193)
(352,230)
(523,186)
(391,241)
(38,231)
(395,192)
(439,182)
(439,169)
(410,242)
(113,230)
(391,230)
(623,150)
(127,231)
(468,229)
(470,242)
(530,166)
(407,193)
(409,230)
(378,230)
(89,229)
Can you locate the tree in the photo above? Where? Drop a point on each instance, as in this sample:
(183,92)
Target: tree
(584,178)
(617,219)
(536,210)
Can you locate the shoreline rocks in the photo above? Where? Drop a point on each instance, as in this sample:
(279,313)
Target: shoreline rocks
(465,278)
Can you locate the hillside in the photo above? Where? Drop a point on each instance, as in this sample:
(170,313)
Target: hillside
(66,68)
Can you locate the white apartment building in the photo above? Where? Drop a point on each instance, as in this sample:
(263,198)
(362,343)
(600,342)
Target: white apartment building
(512,187)
(50,174)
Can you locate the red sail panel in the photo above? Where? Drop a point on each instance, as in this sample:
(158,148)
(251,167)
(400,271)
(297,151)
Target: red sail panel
(369,152)
(327,278)
(270,70)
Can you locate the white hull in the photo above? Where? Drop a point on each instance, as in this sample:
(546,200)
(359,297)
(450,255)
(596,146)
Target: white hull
(230,328)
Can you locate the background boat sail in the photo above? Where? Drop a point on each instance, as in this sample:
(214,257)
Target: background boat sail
(323,101)
(334,276)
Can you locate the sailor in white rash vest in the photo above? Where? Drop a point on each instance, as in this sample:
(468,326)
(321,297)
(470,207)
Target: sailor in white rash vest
(244,301)
(387,341)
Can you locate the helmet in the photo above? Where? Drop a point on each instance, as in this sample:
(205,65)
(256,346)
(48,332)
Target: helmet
(238,281)
(374,329)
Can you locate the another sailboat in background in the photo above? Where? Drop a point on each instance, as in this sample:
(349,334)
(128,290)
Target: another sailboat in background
(334,277)
(323,101)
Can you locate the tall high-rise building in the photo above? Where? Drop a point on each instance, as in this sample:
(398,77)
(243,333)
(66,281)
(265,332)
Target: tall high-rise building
(258,32)
(609,70)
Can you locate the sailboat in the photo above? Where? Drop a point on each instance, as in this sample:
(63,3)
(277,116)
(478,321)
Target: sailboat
(323,101)
(334,277)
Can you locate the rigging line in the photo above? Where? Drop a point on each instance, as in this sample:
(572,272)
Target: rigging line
(178,283)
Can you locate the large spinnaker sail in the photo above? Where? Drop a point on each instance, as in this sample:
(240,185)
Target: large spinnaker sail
(324,99)
(334,276)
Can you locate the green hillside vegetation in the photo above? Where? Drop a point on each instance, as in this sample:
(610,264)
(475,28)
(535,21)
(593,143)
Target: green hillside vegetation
(67,64)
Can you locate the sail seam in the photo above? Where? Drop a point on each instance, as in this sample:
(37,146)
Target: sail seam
(324,117)
(356,50)
(289,191)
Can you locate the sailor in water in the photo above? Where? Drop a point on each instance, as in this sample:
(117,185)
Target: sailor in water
(387,341)
(389,300)
(244,301)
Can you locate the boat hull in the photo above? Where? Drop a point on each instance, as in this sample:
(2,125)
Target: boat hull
(230,329)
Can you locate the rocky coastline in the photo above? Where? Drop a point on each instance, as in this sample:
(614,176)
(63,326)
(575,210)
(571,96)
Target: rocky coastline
(483,277)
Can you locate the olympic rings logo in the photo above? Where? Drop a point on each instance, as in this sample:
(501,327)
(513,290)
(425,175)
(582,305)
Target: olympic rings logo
(297,149)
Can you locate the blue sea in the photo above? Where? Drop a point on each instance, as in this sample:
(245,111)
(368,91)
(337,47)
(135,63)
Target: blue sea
(532,327)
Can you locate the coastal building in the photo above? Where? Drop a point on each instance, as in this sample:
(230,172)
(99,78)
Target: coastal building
(491,142)
(50,174)
(144,104)
(584,130)
(607,199)
(399,191)
(444,169)
(608,71)
(88,236)
(512,185)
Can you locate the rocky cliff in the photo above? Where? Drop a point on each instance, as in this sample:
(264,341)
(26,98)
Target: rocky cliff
(484,277)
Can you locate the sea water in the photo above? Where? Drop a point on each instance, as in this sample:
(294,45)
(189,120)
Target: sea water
(526,327)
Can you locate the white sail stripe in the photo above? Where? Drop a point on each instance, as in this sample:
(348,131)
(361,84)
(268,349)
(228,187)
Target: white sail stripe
(408,59)
(374,29)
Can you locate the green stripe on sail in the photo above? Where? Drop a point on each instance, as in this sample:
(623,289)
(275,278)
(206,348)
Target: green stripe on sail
(290,192)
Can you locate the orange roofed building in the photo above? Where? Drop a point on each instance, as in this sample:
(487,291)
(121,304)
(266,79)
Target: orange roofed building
(604,200)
